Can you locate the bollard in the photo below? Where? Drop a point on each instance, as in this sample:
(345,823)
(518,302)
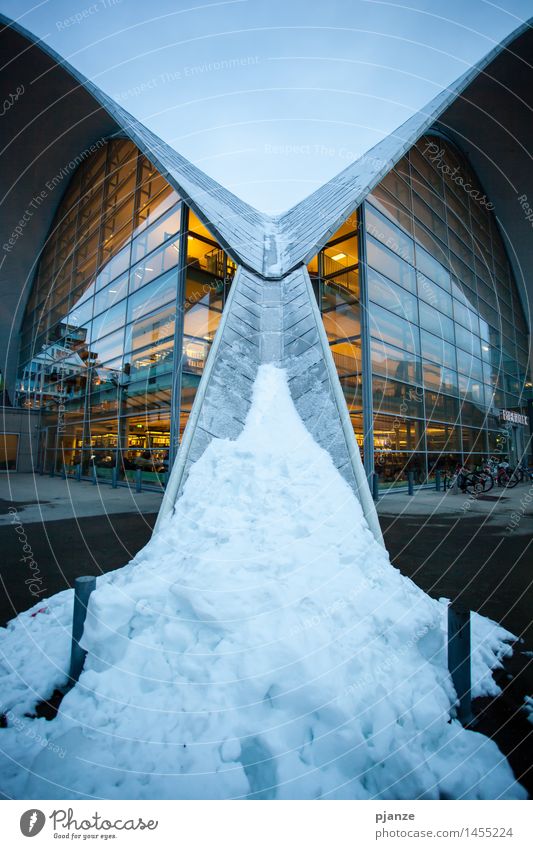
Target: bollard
(83,588)
(410,483)
(437,480)
(375,486)
(138,480)
(95,478)
(459,659)
(114,477)
(78,472)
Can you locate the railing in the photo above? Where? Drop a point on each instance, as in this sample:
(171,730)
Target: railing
(142,480)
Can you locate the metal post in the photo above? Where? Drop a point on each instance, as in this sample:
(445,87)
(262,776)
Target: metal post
(95,478)
(114,477)
(83,588)
(375,486)
(437,480)
(459,659)
(78,472)
(410,483)
(138,480)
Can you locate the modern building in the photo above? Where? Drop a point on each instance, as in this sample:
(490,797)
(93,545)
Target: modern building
(397,295)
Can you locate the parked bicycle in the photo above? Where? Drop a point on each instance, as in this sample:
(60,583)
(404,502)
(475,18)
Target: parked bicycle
(475,482)
(504,474)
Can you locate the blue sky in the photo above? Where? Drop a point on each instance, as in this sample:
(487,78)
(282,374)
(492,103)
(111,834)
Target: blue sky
(271,97)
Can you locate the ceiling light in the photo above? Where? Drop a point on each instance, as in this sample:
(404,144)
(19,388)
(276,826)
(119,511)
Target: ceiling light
(338,257)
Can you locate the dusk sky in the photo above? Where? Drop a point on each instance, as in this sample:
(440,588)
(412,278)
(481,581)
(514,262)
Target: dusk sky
(271,98)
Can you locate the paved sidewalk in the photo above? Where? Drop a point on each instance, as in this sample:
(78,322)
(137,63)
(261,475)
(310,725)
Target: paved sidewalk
(513,507)
(39,498)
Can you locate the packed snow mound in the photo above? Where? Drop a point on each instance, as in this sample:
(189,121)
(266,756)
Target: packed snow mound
(260,646)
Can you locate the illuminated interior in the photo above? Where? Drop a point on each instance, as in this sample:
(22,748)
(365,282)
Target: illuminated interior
(98,337)
(448,339)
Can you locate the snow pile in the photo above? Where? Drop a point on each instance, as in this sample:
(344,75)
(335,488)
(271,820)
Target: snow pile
(262,646)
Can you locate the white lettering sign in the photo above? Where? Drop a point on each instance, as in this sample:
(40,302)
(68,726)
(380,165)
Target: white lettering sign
(514,418)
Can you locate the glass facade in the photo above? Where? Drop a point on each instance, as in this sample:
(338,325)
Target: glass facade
(446,338)
(417,296)
(128,275)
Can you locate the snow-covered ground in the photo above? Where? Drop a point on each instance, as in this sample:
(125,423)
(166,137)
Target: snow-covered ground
(261,645)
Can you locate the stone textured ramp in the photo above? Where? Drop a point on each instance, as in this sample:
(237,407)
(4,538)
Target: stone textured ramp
(271,322)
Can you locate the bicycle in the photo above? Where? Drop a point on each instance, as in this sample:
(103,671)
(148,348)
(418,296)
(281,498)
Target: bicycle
(509,478)
(475,482)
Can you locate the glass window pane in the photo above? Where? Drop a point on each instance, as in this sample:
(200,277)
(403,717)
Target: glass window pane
(390,396)
(440,379)
(444,408)
(437,349)
(469,365)
(202,322)
(392,237)
(339,256)
(393,330)
(151,329)
(398,434)
(432,294)
(109,348)
(433,269)
(165,227)
(433,320)
(390,265)
(111,295)
(107,322)
(467,340)
(153,296)
(347,358)
(472,389)
(443,437)
(390,205)
(154,265)
(382,291)
(391,362)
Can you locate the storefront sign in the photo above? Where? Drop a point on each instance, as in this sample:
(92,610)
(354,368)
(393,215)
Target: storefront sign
(514,418)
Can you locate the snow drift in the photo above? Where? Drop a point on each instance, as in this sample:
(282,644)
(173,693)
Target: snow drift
(260,646)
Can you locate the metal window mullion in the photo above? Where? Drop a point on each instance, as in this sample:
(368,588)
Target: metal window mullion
(175,401)
(366,360)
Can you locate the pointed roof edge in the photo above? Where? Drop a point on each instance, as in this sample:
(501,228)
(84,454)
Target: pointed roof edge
(274,245)
(237,225)
(304,229)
